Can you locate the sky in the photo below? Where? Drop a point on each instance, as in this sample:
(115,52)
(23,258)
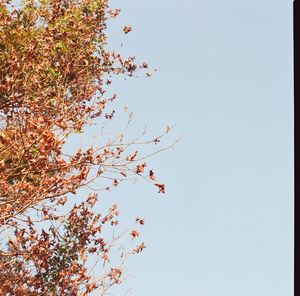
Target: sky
(225,78)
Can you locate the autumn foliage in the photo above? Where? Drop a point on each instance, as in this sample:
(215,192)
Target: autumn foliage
(54,75)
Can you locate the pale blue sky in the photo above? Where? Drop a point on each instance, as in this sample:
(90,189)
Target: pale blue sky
(225,226)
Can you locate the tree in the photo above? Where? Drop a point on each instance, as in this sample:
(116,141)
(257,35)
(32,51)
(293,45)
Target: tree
(54,75)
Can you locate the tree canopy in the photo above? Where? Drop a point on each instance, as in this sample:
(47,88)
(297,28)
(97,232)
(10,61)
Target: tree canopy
(54,74)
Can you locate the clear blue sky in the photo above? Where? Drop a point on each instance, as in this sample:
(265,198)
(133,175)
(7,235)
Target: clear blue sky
(225,226)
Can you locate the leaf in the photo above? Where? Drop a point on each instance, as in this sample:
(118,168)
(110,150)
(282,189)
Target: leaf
(132,157)
(140,168)
(34,150)
(127,29)
(151,175)
(161,187)
(52,72)
(134,234)
(60,46)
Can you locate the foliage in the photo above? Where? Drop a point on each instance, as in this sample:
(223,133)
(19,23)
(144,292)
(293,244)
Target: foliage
(54,70)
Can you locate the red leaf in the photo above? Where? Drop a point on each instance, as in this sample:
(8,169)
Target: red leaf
(161,188)
(151,175)
(131,157)
(127,29)
(134,234)
(140,168)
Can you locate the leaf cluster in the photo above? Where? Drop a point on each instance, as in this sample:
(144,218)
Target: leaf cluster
(54,70)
